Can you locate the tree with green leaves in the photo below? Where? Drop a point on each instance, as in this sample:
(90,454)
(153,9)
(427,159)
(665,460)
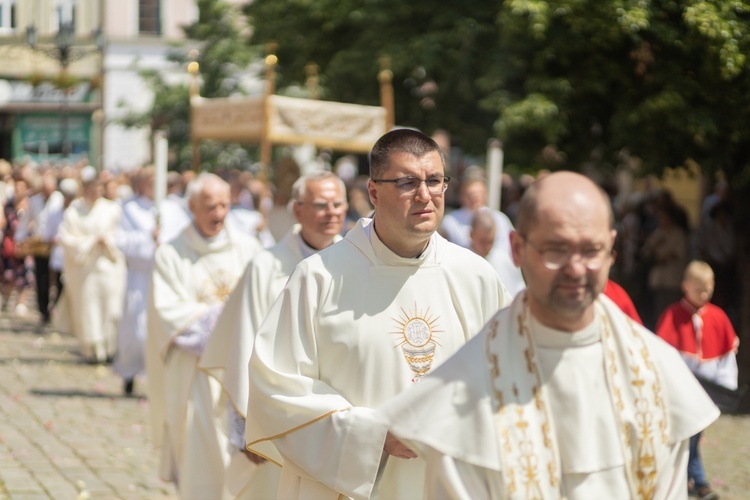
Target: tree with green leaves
(563,83)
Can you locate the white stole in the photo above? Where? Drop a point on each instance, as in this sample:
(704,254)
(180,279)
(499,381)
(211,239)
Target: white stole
(525,427)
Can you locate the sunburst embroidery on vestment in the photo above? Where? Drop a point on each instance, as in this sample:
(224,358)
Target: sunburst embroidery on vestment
(217,288)
(418,340)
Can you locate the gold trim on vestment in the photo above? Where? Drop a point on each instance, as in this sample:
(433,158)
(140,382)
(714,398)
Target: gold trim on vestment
(277,436)
(528,444)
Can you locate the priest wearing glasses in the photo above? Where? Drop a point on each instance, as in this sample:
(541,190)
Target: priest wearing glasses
(561,395)
(359,322)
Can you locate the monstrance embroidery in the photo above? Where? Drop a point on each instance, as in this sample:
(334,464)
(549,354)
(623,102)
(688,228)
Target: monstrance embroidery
(217,288)
(418,340)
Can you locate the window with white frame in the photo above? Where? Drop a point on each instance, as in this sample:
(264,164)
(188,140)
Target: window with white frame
(8,21)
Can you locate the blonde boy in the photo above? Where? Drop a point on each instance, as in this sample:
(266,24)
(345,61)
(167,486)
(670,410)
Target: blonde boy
(707,342)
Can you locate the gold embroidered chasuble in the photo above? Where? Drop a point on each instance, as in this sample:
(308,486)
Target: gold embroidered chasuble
(540,427)
(191,276)
(354,326)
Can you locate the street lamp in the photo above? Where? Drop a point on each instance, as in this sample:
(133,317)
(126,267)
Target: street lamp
(65,51)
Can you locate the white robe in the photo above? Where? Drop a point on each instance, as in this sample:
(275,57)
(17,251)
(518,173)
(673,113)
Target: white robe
(94,275)
(136,241)
(503,433)
(174,217)
(354,326)
(192,277)
(248,222)
(457,228)
(509,274)
(228,351)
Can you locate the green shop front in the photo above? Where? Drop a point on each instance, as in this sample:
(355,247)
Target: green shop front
(48,124)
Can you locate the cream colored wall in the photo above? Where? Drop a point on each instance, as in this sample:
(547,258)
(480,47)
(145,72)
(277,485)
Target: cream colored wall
(120,18)
(176,14)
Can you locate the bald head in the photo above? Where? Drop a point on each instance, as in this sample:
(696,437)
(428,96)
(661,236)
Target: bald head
(561,190)
(564,235)
(482,234)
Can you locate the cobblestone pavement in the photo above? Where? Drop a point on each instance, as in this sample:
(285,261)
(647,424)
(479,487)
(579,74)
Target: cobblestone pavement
(67,432)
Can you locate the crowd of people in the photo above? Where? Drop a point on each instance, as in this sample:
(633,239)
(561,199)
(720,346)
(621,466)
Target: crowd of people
(335,334)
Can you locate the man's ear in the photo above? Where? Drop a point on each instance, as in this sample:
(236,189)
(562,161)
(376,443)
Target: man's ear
(516,241)
(373,192)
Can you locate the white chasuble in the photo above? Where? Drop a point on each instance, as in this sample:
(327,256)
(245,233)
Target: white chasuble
(228,351)
(94,275)
(192,278)
(354,326)
(530,412)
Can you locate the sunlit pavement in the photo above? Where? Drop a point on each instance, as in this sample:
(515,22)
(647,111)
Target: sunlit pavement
(66,429)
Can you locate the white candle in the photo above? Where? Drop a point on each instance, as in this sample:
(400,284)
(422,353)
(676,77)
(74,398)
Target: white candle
(494,173)
(160,168)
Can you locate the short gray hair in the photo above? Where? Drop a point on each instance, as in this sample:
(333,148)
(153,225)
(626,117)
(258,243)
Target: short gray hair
(299,188)
(200,183)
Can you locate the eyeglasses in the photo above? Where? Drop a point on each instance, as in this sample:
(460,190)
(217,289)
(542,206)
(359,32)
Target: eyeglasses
(322,206)
(410,185)
(557,257)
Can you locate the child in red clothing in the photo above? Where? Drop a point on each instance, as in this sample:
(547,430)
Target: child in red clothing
(707,342)
(700,330)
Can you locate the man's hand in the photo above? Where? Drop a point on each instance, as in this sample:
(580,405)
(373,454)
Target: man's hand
(256,459)
(396,448)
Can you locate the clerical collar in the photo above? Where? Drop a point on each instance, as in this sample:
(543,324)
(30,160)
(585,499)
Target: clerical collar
(387,255)
(306,249)
(219,238)
(545,336)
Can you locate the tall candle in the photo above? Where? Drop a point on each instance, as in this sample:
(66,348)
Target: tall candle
(494,173)
(160,168)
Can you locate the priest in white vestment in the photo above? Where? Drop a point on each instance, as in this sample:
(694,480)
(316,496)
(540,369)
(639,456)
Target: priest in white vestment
(192,277)
(319,205)
(561,395)
(137,237)
(94,270)
(359,322)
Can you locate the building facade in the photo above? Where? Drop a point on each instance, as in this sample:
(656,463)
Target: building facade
(62,98)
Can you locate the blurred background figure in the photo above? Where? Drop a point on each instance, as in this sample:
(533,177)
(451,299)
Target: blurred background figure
(243,216)
(94,270)
(137,236)
(717,245)
(482,237)
(666,250)
(457,224)
(69,189)
(33,230)
(359,201)
(17,271)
